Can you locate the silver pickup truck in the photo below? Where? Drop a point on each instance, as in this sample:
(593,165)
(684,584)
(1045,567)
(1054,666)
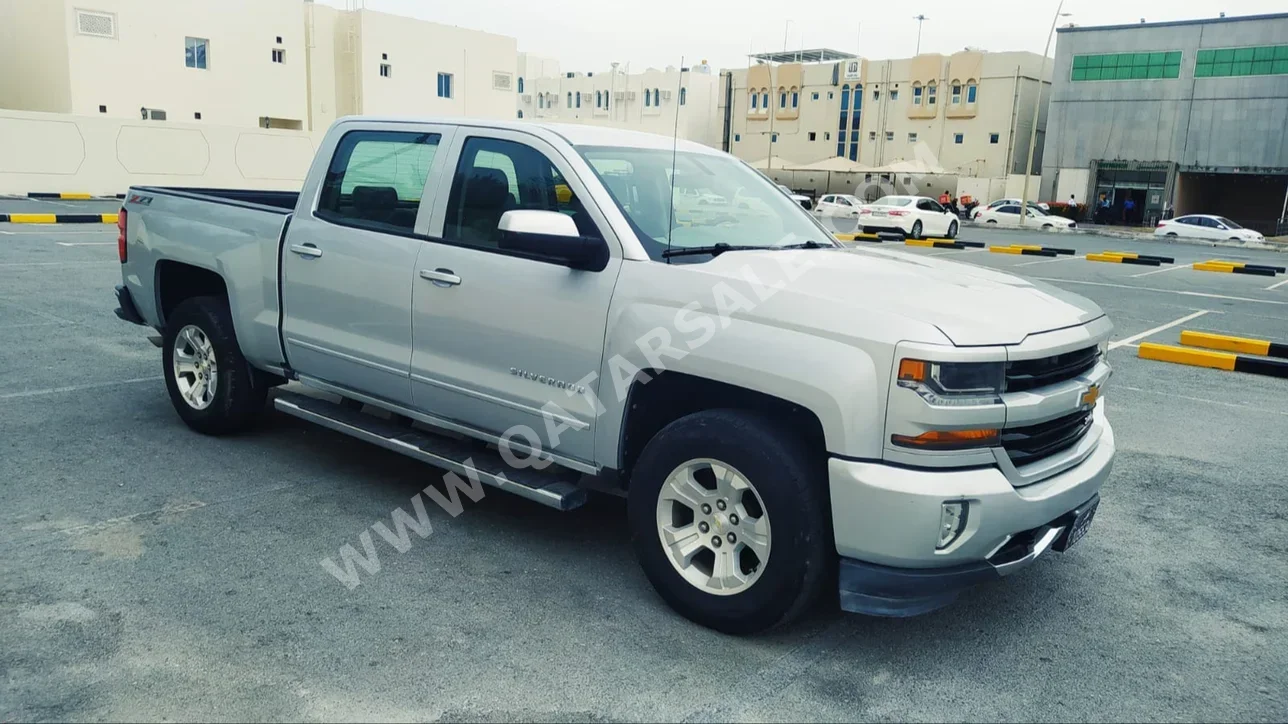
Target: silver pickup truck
(551,309)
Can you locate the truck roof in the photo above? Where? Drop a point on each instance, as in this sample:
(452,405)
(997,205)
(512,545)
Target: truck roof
(574,133)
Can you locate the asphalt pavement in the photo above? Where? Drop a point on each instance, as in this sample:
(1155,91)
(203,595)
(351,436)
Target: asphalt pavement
(147,572)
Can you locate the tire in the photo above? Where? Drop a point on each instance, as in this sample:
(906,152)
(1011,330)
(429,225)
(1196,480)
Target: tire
(1172,234)
(237,397)
(916,229)
(992,221)
(1047,227)
(788,484)
(952,230)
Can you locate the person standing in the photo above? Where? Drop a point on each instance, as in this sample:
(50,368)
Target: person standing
(1129,210)
(1102,209)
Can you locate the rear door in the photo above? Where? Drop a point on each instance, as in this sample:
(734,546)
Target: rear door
(498,335)
(348,263)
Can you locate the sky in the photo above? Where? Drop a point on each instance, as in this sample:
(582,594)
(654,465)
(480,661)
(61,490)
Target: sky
(588,35)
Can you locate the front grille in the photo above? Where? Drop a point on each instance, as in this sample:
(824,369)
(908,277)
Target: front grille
(1033,442)
(1033,373)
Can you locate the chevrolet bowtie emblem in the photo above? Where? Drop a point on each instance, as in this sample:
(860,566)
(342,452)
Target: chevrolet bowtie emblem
(1090,396)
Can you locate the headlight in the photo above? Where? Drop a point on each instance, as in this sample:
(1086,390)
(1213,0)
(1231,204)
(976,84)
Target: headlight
(954,383)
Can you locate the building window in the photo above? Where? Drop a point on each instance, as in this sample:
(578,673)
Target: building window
(196,52)
(444,85)
(1133,66)
(972,92)
(813,96)
(657,97)
(197,115)
(959,138)
(764,100)
(541,99)
(867,178)
(152,114)
(894,95)
(570,100)
(876,95)
(912,138)
(931,90)
(520,113)
(827,135)
(782,98)
(916,94)
(578,99)
(812,135)
(773,138)
(386,70)
(279,55)
(737,137)
(840,143)
(796,98)
(102,109)
(1228,62)
(994,138)
(755,100)
(384,56)
(845,97)
(872,135)
(279,40)
(520,84)
(829,95)
(957,94)
(889,135)
(684,95)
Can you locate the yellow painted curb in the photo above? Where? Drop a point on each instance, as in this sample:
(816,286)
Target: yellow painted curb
(1106,258)
(75,196)
(1213,266)
(919,242)
(1030,247)
(1226,342)
(1006,250)
(33,218)
(110,218)
(1183,356)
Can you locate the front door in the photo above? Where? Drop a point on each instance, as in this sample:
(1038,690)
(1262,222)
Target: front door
(498,335)
(348,265)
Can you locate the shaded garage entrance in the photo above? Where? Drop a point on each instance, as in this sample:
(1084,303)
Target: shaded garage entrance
(1254,200)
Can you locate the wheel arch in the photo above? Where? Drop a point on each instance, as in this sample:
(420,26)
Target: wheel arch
(177,281)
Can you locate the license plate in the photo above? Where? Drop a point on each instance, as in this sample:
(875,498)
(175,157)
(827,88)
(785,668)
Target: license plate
(1081,524)
(880,213)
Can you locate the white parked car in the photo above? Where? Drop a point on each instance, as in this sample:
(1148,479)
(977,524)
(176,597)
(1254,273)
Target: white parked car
(913,216)
(839,205)
(804,201)
(1009,215)
(1202,226)
(1008,202)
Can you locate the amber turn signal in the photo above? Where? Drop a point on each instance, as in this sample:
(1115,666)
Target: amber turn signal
(948,439)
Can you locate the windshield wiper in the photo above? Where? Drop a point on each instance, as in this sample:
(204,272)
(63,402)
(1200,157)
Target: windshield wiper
(713,250)
(811,244)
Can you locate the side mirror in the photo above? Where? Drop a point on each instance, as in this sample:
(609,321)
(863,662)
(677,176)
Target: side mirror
(551,236)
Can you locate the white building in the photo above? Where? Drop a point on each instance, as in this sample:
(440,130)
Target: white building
(233,62)
(679,101)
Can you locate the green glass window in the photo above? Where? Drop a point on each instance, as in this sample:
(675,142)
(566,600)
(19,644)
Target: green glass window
(1127,66)
(1234,62)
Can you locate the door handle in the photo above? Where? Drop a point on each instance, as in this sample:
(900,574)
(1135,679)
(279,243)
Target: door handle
(441,277)
(306,250)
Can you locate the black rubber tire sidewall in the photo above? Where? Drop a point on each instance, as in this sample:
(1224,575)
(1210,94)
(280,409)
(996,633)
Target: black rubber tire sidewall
(792,487)
(237,401)
(952,230)
(916,229)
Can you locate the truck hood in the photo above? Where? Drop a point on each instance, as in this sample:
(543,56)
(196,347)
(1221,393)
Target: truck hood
(971,305)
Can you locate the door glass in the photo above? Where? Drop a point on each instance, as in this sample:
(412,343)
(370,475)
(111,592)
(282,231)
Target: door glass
(1009,210)
(496,176)
(376,179)
(842,201)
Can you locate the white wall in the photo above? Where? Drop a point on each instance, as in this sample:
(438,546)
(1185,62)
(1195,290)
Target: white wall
(1015,187)
(1073,181)
(144,65)
(100,155)
(33,56)
(417,52)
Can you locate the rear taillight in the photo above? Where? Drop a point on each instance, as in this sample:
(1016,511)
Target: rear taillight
(120,235)
(898,213)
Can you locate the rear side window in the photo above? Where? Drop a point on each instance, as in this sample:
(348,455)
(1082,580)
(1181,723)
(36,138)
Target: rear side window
(376,179)
(1009,210)
(495,176)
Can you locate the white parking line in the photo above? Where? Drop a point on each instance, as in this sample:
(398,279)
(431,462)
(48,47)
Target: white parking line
(74,263)
(1204,295)
(1201,399)
(1049,261)
(1160,271)
(76,388)
(1276,285)
(1155,330)
(954,251)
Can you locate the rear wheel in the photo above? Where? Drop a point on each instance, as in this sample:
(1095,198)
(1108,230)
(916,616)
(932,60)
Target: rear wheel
(916,229)
(952,230)
(210,384)
(729,520)
(992,221)
(1171,234)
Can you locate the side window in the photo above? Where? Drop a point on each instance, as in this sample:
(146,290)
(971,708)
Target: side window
(1009,210)
(932,205)
(825,200)
(496,176)
(843,201)
(376,179)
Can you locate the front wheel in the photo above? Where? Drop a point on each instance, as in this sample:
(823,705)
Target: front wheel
(952,230)
(916,229)
(211,386)
(993,222)
(728,518)
(1172,234)
(1047,227)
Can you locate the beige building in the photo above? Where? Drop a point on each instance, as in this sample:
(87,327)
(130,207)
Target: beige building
(233,62)
(679,101)
(969,113)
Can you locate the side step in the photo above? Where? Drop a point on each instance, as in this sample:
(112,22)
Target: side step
(543,487)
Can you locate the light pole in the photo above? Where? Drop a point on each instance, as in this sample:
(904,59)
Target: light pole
(920,19)
(1037,108)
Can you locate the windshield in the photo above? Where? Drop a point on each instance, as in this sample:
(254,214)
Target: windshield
(1229,224)
(717,200)
(892,201)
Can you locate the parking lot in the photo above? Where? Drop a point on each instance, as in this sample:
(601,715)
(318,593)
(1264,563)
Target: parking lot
(147,572)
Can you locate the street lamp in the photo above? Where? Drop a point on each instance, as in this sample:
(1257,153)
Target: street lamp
(1037,107)
(921,19)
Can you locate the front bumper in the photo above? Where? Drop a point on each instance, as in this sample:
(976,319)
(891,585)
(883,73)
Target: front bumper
(886,521)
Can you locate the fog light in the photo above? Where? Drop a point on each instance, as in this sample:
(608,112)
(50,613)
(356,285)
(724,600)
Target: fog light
(952,521)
